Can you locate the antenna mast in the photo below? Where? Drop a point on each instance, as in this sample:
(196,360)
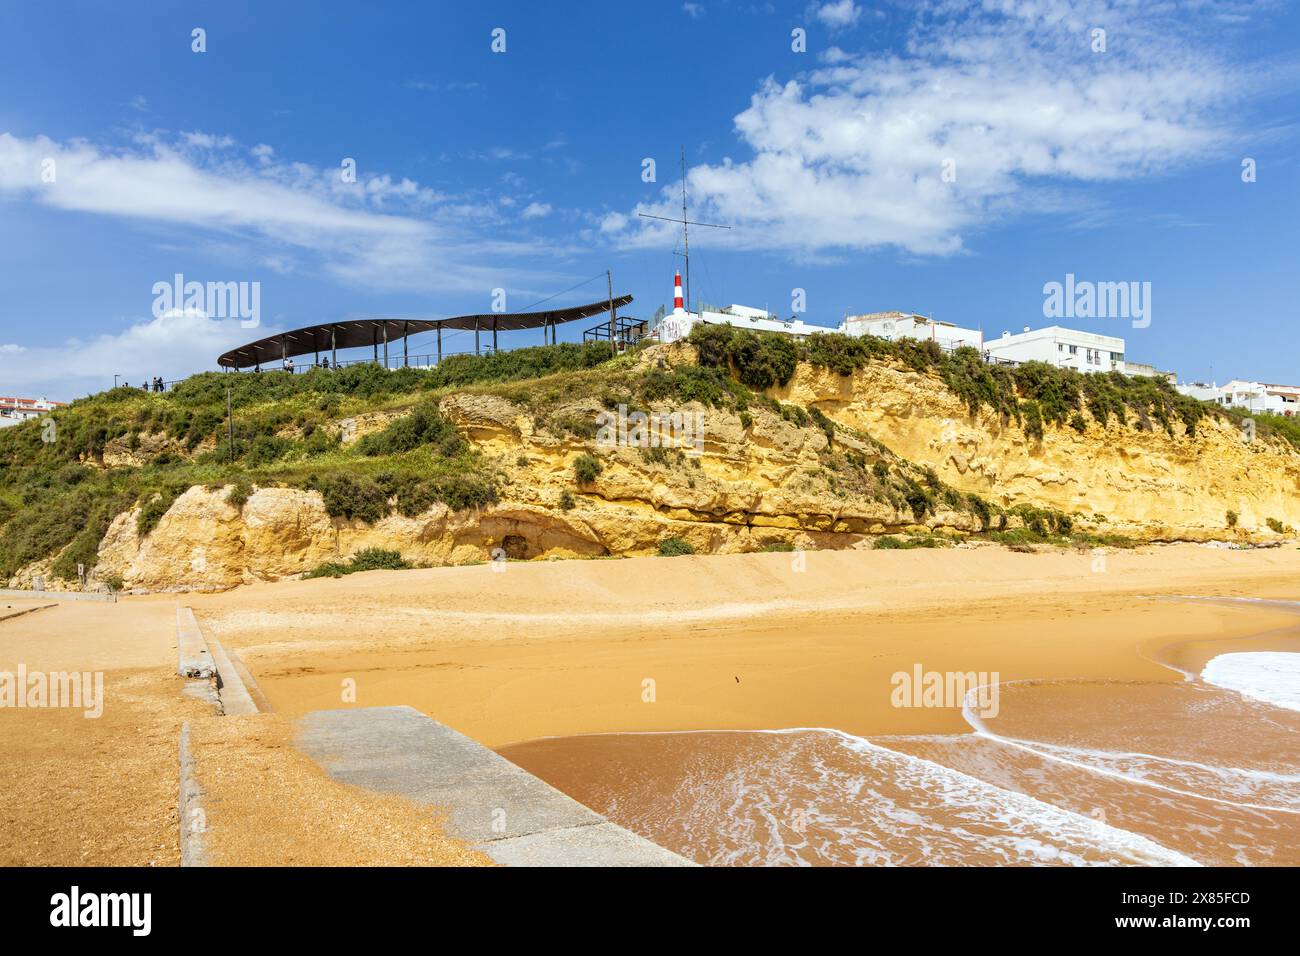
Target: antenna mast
(686,233)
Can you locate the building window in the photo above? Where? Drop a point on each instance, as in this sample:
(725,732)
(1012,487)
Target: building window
(1074,350)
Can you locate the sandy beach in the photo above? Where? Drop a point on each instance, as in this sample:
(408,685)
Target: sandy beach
(102,791)
(579,670)
(516,652)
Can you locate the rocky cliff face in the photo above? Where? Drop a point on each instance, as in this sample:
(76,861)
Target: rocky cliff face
(1146,484)
(760,481)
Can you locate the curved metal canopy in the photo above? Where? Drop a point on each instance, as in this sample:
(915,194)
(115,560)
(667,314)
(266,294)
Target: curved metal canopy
(359,333)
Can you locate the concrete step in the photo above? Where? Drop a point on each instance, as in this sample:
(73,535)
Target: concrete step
(193,659)
(512,816)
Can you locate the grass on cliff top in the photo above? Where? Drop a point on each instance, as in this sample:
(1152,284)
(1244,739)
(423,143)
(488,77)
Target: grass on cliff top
(1035,394)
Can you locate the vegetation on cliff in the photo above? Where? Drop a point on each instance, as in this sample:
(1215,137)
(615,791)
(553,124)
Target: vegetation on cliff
(62,484)
(1035,393)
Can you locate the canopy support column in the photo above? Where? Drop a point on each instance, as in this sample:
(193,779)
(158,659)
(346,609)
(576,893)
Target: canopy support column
(334,349)
(494,333)
(385,344)
(406,346)
(476,350)
(439,343)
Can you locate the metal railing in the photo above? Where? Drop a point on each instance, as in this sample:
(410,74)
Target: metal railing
(424,360)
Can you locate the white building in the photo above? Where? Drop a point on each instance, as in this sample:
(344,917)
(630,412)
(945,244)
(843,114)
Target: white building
(893,326)
(1055,345)
(1252,396)
(1142,368)
(14,411)
(1065,348)
(678,323)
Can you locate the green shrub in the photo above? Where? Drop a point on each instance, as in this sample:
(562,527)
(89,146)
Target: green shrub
(566,500)
(795,415)
(673,547)
(587,468)
(1033,419)
(1232,518)
(239,493)
(424,425)
(888,543)
(825,424)
(367,559)
(354,498)
(1276,525)
(155,507)
(759,360)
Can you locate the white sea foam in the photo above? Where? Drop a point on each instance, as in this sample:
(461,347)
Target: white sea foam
(1270,676)
(864,804)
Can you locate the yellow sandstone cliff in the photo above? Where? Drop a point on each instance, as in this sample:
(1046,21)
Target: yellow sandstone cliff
(756,485)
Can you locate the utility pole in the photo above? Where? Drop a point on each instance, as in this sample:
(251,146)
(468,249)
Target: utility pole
(230,427)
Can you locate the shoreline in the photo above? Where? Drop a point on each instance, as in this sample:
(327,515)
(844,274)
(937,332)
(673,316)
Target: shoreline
(737,641)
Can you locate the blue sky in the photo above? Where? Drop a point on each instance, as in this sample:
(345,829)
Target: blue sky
(523,170)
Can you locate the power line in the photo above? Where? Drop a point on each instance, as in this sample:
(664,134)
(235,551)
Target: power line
(558,294)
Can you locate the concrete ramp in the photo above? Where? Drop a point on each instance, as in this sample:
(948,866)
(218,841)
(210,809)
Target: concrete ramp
(512,816)
(193,659)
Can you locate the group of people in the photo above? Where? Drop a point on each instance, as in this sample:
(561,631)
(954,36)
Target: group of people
(288,366)
(156,384)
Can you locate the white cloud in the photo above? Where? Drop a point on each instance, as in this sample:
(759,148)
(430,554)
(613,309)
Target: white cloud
(838,13)
(1007,94)
(536,210)
(693,10)
(378,232)
(172,346)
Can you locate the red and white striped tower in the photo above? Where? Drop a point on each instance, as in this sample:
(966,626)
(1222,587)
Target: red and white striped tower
(677,293)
